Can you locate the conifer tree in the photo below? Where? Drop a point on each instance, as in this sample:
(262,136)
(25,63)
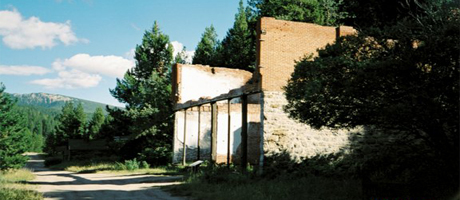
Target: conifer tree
(206,50)
(80,121)
(322,12)
(13,137)
(66,126)
(95,124)
(146,90)
(238,47)
(72,124)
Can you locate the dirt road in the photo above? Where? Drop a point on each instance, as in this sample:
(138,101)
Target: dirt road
(64,185)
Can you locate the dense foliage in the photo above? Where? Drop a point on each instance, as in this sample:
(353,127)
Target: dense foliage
(72,123)
(322,12)
(403,82)
(236,50)
(14,140)
(146,90)
(371,15)
(95,124)
(238,46)
(39,122)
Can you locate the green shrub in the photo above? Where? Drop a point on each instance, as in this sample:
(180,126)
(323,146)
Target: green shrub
(132,165)
(144,165)
(119,166)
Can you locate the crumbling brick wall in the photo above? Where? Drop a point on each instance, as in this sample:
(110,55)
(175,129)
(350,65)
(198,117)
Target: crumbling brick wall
(281,44)
(192,82)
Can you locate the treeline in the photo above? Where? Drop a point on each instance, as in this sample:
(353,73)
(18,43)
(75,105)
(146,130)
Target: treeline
(238,48)
(73,123)
(39,125)
(31,129)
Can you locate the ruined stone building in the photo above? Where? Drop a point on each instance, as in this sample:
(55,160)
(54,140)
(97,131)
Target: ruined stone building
(214,105)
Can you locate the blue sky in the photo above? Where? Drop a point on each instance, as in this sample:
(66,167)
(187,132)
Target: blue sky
(79,47)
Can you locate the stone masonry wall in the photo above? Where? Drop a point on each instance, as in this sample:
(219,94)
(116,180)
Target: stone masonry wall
(282,133)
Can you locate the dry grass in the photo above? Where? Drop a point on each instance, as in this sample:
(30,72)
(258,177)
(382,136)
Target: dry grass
(112,167)
(12,185)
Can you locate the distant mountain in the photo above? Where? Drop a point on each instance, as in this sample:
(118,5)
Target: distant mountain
(54,102)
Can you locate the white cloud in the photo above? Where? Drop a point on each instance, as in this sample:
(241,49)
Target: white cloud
(178,47)
(113,66)
(70,80)
(84,71)
(19,33)
(23,70)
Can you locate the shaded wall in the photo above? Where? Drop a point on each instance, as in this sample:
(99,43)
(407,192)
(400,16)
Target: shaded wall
(281,44)
(204,117)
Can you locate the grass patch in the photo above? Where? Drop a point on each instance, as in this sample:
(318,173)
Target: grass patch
(14,176)
(107,166)
(311,187)
(12,187)
(222,183)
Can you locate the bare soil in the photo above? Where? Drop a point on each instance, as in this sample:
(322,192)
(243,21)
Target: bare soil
(64,185)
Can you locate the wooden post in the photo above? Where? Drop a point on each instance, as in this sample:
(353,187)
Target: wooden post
(244,132)
(184,150)
(228,133)
(213,131)
(199,130)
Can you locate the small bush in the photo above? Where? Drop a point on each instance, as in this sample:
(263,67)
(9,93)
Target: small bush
(119,166)
(144,165)
(132,165)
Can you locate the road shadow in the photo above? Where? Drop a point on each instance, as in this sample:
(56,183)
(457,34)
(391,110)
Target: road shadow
(66,185)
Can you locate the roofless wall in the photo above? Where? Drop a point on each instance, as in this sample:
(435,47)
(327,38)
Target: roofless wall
(281,44)
(210,115)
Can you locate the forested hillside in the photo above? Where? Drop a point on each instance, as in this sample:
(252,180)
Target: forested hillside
(39,114)
(52,103)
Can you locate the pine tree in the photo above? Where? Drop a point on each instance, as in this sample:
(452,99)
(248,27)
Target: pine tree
(72,124)
(238,47)
(66,126)
(323,12)
(206,50)
(80,122)
(13,137)
(153,55)
(146,90)
(95,124)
